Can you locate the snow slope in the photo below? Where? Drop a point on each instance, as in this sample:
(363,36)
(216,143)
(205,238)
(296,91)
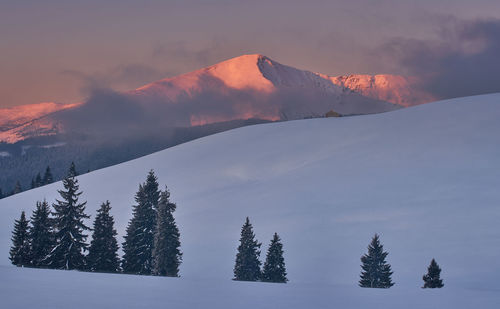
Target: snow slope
(425,178)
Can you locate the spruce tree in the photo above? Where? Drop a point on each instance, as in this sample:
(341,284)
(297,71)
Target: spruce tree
(167,255)
(69,213)
(1,193)
(274,267)
(103,250)
(139,238)
(33,186)
(17,188)
(42,238)
(20,250)
(151,191)
(72,170)
(38,181)
(47,177)
(376,271)
(433,279)
(247,266)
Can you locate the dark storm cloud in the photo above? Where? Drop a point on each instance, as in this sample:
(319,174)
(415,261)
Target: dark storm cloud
(463,61)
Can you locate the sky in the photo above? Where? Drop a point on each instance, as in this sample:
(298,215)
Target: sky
(61,50)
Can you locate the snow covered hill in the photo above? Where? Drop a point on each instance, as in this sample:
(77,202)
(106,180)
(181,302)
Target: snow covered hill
(425,178)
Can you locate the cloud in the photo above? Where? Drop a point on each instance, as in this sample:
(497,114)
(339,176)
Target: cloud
(181,56)
(123,77)
(462,61)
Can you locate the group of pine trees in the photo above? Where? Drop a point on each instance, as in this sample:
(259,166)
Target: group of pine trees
(248,264)
(376,272)
(39,181)
(36,182)
(17,189)
(57,239)
(152,240)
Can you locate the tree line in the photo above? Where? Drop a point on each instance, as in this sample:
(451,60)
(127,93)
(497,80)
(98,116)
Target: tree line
(57,239)
(36,182)
(89,154)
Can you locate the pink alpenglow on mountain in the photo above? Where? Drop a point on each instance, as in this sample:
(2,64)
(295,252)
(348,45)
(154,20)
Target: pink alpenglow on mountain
(19,122)
(245,87)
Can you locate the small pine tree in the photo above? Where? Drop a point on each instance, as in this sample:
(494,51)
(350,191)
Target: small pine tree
(103,250)
(167,255)
(376,271)
(38,180)
(68,252)
(17,188)
(20,250)
(47,177)
(139,238)
(72,170)
(1,193)
(33,186)
(433,279)
(247,266)
(42,238)
(274,266)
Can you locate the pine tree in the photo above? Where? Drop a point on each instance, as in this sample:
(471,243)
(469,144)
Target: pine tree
(68,252)
(47,177)
(1,193)
(151,191)
(72,170)
(20,250)
(139,238)
(38,180)
(17,188)
(33,186)
(433,279)
(247,266)
(167,255)
(376,272)
(274,266)
(42,238)
(103,250)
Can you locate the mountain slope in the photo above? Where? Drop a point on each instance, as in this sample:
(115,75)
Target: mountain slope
(260,87)
(17,123)
(245,87)
(425,178)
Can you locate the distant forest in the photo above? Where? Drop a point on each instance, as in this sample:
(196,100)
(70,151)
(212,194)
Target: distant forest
(30,157)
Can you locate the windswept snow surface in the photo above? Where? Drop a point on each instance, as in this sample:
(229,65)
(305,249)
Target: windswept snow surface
(33,288)
(425,178)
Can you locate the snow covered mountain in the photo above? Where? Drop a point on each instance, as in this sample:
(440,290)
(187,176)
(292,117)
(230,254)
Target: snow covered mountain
(19,122)
(249,86)
(425,178)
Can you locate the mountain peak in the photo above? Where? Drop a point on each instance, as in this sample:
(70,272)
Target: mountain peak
(243,87)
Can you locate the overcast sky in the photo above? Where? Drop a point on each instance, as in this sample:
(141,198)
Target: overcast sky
(57,51)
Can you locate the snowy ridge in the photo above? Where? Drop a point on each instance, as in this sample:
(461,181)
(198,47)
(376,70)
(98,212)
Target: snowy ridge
(244,87)
(21,122)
